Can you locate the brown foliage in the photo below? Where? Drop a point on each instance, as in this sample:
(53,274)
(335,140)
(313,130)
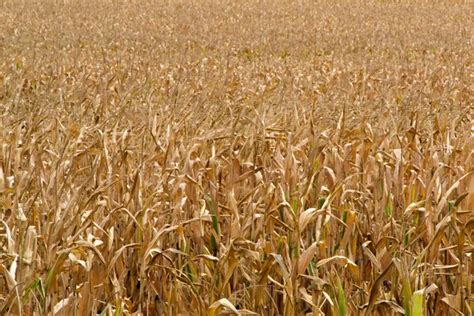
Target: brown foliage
(247,157)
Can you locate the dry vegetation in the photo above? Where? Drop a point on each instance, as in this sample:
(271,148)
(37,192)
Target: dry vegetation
(253,157)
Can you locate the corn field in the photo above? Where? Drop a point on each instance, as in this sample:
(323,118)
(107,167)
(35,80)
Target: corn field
(217,157)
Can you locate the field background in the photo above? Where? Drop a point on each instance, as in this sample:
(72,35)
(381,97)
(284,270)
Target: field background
(223,157)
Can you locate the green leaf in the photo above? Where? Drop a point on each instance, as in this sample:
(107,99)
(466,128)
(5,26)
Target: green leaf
(389,207)
(406,293)
(418,302)
(341,300)
(215,224)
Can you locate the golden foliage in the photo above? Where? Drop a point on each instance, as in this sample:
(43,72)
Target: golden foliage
(246,157)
